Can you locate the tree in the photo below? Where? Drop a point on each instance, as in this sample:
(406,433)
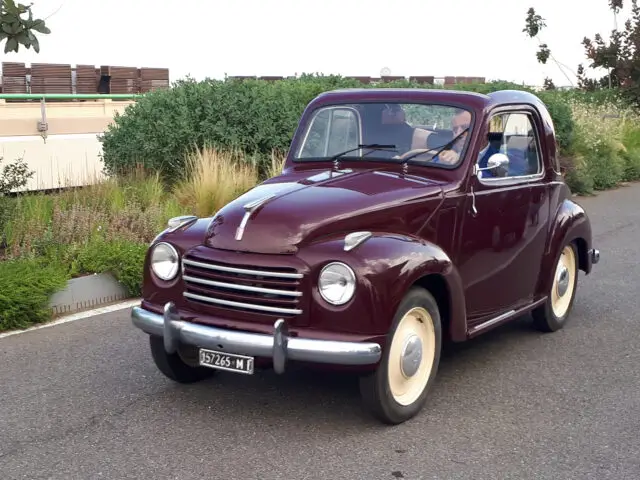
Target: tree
(17,30)
(534,24)
(620,56)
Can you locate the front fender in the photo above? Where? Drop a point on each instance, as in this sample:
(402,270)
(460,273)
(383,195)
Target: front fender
(387,265)
(570,223)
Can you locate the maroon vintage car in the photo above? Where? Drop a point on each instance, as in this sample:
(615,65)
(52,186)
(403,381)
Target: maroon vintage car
(402,218)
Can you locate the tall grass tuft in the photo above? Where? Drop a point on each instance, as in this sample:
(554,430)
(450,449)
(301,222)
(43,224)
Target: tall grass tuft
(133,209)
(213,179)
(277,163)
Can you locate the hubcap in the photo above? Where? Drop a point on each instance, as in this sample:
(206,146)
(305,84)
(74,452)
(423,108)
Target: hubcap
(411,356)
(563,280)
(563,288)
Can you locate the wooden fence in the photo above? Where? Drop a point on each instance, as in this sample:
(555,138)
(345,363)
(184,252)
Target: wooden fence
(83,79)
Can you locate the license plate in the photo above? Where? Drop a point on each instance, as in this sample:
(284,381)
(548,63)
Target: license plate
(226,361)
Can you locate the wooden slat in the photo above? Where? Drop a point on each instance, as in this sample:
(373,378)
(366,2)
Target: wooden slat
(13,69)
(50,70)
(119,72)
(151,85)
(14,85)
(88,71)
(118,85)
(154,74)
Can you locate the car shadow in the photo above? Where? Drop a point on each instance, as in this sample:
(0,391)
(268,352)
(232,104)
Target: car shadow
(311,398)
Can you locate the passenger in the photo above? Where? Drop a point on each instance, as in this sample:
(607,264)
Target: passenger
(396,129)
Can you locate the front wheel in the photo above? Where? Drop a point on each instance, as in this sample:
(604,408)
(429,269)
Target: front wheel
(398,389)
(553,314)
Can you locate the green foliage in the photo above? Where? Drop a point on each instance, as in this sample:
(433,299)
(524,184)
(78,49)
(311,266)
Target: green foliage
(562,117)
(25,288)
(17,30)
(254,116)
(14,175)
(533,23)
(121,258)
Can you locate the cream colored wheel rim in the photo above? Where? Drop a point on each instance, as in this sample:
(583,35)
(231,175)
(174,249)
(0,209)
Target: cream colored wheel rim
(563,282)
(411,356)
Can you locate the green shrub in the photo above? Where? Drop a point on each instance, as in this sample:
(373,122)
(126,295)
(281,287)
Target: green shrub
(255,116)
(563,122)
(121,258)
(25,288)
(631,160)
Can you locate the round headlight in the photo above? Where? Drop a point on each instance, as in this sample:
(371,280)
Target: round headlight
(164,261)
(337,283)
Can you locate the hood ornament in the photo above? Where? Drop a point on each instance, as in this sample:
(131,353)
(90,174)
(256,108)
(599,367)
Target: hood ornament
(249,209)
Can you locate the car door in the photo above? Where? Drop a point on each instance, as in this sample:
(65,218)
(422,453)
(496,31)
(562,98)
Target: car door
(503,225)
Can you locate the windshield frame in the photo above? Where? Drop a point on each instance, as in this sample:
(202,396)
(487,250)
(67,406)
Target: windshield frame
(370,156)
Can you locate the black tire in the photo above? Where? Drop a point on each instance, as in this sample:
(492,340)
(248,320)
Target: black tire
(375,387)
(545,318)
(172,365)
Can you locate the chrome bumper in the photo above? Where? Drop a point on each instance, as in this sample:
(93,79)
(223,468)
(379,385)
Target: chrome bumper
(279,346)
(594,253)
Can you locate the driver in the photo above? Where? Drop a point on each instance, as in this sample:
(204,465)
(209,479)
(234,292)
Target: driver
(459,123)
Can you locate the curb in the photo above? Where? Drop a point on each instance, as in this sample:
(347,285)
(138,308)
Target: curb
(77,316)
(87,292)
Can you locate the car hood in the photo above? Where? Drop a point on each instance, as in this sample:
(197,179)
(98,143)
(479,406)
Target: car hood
(302,207)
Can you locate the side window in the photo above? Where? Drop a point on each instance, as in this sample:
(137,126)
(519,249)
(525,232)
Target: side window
(514,135)
(332,131)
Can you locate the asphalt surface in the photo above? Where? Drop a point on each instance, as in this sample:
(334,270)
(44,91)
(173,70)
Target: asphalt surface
(83,400)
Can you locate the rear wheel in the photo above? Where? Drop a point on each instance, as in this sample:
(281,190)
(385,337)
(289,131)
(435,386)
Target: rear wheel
(398,389)
(174,367)
(553,314)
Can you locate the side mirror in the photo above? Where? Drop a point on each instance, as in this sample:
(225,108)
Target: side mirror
(498,162)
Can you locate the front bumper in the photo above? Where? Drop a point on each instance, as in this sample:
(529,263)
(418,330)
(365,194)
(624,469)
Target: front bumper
(279,346)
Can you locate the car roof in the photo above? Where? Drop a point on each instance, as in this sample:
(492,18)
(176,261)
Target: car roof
(462,98)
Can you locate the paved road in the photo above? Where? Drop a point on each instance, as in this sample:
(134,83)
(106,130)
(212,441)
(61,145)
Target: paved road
(83,400)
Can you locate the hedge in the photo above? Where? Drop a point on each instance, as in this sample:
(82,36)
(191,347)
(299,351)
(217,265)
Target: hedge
(255,116)
(26,286)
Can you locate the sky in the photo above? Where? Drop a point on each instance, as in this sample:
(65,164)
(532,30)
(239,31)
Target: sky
(211,38)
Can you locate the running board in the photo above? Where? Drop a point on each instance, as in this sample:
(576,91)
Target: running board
(505,317)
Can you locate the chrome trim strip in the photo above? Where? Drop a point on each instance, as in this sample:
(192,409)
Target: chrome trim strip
(229,303)
(240,270)
(493,321)
(248,288)
(249,208)
(278,346)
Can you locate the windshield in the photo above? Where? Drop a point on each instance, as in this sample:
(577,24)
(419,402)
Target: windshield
(404,126)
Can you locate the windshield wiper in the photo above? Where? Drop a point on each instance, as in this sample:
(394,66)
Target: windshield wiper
(373,146)
(438,152)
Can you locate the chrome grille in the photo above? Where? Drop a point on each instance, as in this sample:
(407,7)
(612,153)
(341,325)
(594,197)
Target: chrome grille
(274,291)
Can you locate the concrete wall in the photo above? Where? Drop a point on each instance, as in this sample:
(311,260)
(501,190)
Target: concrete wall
(70,153)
